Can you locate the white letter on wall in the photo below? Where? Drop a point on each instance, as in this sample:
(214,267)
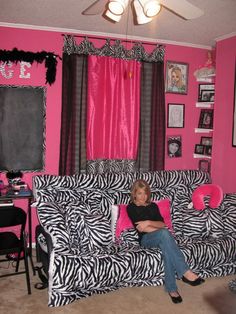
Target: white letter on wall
(3,70)
(24,64)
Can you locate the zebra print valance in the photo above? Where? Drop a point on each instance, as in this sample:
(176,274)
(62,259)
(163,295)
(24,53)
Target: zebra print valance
(116,50)
(111,165)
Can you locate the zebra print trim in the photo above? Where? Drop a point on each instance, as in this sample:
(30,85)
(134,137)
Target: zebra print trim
(117,50)
(110,165)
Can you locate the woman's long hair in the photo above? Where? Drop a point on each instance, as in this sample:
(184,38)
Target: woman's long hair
(178,73)
(140,184)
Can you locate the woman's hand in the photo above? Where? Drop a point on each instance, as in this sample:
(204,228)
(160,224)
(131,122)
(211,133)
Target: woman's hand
(142,226)
(149,225)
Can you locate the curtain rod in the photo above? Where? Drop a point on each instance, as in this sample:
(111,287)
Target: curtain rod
(122,40)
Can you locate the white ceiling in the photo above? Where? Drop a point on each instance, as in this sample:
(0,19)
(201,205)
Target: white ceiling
(218,22)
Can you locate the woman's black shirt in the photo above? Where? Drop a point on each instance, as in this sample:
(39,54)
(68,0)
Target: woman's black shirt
(141,213)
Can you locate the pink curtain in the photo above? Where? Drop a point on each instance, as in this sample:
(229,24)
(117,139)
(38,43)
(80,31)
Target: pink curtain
(113,111)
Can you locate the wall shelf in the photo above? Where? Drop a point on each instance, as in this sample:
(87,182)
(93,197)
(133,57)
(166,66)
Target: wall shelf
(204,104)
(208,78)
(201,156)
(204,107)
(198,130)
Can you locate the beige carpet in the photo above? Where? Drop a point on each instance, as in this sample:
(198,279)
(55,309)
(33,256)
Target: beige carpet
(211,297)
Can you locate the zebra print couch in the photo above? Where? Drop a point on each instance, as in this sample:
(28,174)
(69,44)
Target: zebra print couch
(76,213)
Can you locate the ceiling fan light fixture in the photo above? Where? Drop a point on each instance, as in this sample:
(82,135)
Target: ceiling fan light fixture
(113,17)
(117,7)
(151,8)
(140,16)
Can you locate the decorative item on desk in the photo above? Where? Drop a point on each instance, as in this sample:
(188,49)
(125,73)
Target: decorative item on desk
(24,192)
(19,185)
(4,203)
(14,177)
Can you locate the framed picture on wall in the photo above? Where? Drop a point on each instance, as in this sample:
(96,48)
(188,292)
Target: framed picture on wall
(175,116)
(204,165)
(207,95)
(176,77)
(207,150)
(174,146)
(206,140)
(199,149)
(206,119)
(205,87)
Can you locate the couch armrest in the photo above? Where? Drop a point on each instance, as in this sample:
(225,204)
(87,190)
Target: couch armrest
(228,207)
(52,219)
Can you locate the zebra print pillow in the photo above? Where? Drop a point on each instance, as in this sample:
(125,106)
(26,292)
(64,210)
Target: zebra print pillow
(129,237)
(215,222)
(95,232)
(203,224)
(88,231)
(194,224)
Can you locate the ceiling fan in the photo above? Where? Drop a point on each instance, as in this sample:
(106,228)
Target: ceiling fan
(144,10)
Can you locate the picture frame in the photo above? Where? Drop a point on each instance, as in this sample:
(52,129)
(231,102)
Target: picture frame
(174,146)
(206,140)
(207,95)
(204,165)
(206,119)
(205,87)
(176,77)
(175,117)
(207,150)
(199,149)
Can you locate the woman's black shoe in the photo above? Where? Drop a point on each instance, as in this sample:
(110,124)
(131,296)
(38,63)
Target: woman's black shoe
(176,299)
(195,282)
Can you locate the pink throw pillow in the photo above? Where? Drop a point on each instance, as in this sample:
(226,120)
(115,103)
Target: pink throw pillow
(214,191)
(124,222)
(164,207)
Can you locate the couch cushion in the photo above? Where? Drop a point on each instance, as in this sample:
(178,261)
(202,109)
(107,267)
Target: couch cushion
(194,224)
(88,230)
(95,232)
(207,223)
(215,223)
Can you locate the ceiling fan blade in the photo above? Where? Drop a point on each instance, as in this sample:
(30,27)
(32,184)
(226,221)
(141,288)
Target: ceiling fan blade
(183,8)
(95,8)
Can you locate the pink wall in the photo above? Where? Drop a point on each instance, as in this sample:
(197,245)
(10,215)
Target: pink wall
(195,57)
(35,41)
(223,163)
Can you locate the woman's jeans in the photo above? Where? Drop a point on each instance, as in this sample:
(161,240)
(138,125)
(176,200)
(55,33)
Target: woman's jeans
(172,256)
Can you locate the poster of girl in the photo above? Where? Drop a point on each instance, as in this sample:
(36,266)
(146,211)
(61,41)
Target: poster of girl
(176,77)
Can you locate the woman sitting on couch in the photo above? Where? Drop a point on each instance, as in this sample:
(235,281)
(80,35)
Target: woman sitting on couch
(146,218)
